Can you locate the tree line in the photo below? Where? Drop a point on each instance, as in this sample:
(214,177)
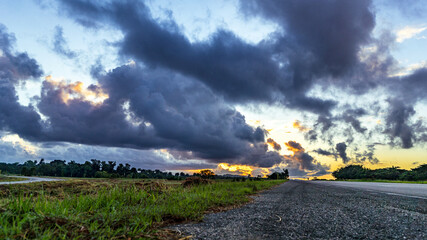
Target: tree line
(391,173)
(89,169)
(102,169)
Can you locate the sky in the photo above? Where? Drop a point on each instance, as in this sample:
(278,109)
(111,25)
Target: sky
(239,87)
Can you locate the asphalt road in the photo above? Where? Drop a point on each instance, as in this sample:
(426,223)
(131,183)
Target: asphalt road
(402,189)
(307,210)
(30,180)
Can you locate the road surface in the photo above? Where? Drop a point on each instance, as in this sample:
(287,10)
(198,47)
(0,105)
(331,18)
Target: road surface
(308,210)
(402,189)
(30,180)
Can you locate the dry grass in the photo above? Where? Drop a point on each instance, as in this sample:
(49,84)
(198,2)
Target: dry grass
(112,208)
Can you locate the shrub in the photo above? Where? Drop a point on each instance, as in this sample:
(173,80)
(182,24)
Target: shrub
(191,181)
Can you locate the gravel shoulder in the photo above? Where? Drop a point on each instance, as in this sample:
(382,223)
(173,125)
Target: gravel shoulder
(304,210)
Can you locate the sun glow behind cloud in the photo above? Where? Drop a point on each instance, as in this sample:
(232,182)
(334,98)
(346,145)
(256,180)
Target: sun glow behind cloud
(242,170)
(15,140)
(77,90)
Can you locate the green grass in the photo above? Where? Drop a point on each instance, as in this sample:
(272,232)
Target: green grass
(383,180)
(10,179)
(106,209)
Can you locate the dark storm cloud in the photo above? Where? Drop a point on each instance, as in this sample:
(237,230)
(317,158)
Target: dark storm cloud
(321,44)
(274,144)
(301,159)
(367,155)
(341,149)
(320,129)
(259,156)
(313,46)
(294,146)
(410,88)
(282,68)
(310,136)
(60,44)
(239,71)
(325,123)
(345,123)
(149,109)
(332,31)
(16,68)
(181,100)
(397,123)
(407,91)
(350,116)
(324,152)
(145,109)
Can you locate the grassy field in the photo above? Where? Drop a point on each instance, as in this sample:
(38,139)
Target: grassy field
(112,209)
(10,179)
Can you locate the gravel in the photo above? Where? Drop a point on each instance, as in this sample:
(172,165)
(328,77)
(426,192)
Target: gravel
(303,210)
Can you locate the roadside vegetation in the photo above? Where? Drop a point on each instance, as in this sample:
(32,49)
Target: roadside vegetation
(115,208)
(4,178)
(10,179)
(393,174)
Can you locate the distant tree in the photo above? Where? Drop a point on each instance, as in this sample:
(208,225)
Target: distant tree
(408,176)
(207,173)
(286,172)
(121,170)
(96,165)
(420,172)
(109,167)
(279,175)
(24,171)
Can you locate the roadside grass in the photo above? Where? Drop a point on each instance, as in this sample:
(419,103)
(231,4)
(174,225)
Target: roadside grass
(10,179)
(382,180)
(112,209)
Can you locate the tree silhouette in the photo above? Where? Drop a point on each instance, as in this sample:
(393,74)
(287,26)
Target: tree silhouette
(207,173)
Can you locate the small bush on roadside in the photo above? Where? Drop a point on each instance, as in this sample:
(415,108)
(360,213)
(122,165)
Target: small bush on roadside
(192,181)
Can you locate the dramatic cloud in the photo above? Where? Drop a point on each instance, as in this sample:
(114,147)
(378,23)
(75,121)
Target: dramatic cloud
(131,107)
(239,71)
(297,124)
(341,149)
(274,144)
(324,152)
(282,68)
(350,115)
(321,39)
(302,160)
(178,96)
(410,88)
(148,109)
(16,68)
(397,123)
(367,155)
(60,44)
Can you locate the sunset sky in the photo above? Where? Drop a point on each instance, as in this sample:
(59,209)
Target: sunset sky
(240,87)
